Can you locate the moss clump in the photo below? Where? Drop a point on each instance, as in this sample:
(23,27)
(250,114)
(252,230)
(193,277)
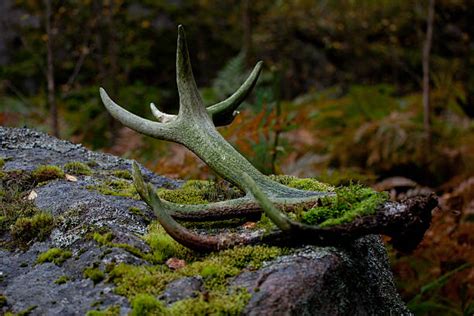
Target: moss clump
(19,216)
(117,187)
(113,310)
(307,184)
(200,192)
(214,303)
(132,280)
(216,268)
(2,162)
(61,280)
(94,273)
(103,239)
(163,246)
(54,255)
(146,304)
(349,203)
(124,174)
(47,173)
(37,227)
(77,168)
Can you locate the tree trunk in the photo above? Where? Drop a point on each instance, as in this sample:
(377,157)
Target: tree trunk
(50,73)
(426,71)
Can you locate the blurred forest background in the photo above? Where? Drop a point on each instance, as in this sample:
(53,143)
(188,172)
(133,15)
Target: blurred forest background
(379,92)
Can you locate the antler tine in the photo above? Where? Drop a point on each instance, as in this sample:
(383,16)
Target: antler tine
(190,101)
(135,122)
(222,113)
(161,116)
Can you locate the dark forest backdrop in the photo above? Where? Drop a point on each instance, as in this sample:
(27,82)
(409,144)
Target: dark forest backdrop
(352,90)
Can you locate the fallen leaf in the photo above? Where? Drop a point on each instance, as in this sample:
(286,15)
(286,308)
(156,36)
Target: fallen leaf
(33,195)
(175,263)
(71,178)
(249,225)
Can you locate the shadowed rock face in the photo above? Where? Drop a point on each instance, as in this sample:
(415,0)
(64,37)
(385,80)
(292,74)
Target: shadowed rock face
(313,280)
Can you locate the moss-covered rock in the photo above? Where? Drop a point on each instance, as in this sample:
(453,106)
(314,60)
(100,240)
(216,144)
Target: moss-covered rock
(54,255)
(135,258)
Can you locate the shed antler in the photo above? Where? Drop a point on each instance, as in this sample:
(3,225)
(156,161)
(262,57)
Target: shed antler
(195,127)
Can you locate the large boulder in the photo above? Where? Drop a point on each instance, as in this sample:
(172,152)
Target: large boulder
(309,280)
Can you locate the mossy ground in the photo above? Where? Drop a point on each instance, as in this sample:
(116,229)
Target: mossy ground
(20,220)
(142,284)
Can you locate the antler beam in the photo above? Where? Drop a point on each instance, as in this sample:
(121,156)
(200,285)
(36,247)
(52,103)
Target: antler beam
(195,127)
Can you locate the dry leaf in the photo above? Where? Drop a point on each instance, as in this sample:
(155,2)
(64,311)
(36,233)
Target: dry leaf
(33,195)
(175,263)
(249,225)
(71,178)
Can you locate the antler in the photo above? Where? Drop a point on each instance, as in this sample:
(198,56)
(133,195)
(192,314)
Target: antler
(406,223)
(195,127)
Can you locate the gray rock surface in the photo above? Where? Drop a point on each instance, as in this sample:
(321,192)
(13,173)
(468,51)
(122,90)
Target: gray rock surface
(312,281)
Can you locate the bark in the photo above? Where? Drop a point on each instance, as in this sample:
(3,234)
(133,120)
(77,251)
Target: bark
(426,71)
(50,73)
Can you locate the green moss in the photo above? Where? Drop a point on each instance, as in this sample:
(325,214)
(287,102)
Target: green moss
(118,187)
(2,162)
(92,163)
(349,203)
(200,192)
(214,303)
(162,245)
(77,168)
(54,255)
(124,174)
(61,280)
(113,310)
(3,300)
(132,280)
(47,173)
(136,211)
(94,273)
(15,205)
(216,269)
(146,304)
(307,184)
(37,227)
(103,239)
